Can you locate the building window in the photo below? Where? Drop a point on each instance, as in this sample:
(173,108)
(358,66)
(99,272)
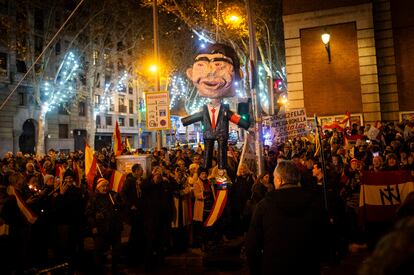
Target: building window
(38,45)
(121,121)
(98,80)
(97,100)
(22,99)
(107,79)
(95,55)
(21,66)
(57,48)
(130,89)
(62,110)
(82,108)
(131,122)
(121,105)
(3,64)
(108,120)
(63,131)
(98,121)
(131,106)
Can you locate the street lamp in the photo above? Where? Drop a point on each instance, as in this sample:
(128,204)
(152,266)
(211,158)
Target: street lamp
(156,55)
(326,37)
(153,68)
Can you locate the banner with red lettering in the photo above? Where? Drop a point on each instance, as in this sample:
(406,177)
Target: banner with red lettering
(382,193)
(288,125)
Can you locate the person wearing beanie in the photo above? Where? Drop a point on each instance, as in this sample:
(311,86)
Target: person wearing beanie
(104,220)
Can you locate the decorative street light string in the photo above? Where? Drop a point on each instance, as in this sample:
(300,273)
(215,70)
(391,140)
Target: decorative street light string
(41,54)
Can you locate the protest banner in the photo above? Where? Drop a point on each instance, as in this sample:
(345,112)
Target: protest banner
(289,125)
(248,155)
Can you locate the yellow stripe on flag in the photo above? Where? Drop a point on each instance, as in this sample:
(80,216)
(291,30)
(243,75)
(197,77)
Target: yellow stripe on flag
(118,179)
(90,166)
(24,209)
(219,204)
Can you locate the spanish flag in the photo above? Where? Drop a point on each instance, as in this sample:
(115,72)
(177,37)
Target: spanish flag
(30,216)
(117,181)
(339,125)
(90,166)
(118,148)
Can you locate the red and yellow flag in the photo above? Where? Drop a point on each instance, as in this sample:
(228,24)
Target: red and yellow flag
(117,181)
(30,216)
(339,125)
(90,166)
(218,207)
(118,148)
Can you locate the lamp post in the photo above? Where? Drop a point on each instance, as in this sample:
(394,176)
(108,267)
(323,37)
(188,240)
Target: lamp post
(255,96)
(326,37)
(156,56)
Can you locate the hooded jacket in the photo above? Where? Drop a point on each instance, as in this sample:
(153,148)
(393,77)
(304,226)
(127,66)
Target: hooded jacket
(285,233)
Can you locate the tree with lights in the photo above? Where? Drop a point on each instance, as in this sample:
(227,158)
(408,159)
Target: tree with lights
(229,25)
(104,41)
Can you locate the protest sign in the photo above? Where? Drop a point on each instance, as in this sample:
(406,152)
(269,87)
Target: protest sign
(289,125)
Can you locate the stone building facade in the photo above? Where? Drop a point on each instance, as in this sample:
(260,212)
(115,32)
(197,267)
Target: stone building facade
(65,129)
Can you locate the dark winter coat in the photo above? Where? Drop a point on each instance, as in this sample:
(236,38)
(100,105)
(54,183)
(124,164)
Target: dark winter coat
(222,127)
(104,214)
(285,233)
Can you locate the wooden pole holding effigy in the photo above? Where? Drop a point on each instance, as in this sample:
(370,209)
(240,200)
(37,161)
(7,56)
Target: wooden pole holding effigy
(322,160)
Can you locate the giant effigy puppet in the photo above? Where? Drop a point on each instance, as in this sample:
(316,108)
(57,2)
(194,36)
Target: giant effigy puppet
(215,70)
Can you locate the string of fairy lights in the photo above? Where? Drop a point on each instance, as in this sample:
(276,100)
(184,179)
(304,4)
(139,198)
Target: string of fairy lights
(108,94)
(63,88)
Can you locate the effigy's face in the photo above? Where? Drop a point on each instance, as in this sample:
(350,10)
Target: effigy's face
(213,75)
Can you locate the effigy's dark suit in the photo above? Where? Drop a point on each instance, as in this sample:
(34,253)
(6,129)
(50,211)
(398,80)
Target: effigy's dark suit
(219,133)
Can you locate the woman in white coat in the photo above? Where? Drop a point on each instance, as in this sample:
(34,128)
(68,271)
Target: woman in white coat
(204,200)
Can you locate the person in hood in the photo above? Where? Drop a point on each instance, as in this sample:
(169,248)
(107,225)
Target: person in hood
(287,227)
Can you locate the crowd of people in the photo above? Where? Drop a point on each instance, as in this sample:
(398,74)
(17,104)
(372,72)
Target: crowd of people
(47,211)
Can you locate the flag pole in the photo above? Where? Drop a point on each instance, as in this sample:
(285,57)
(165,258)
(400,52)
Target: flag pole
(99,169)
(322,159)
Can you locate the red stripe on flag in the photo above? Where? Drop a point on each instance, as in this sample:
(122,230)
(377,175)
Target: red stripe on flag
(118,148)
(30,216)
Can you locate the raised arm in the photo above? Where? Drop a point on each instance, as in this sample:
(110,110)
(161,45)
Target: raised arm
(192,119)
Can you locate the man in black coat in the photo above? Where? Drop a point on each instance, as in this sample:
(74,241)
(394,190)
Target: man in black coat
(287,227)
(132,198)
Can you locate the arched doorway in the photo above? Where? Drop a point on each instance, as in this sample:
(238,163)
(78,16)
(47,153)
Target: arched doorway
(27,139)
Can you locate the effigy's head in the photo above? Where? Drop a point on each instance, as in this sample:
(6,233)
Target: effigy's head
(215,69)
